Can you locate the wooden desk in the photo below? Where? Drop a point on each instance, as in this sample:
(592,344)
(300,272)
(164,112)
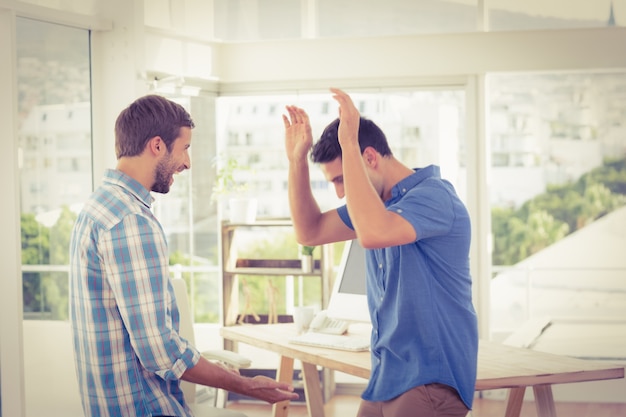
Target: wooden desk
(499,366)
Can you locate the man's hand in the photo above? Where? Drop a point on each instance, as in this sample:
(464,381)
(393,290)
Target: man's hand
(298,136)
(272,391)
(348,119)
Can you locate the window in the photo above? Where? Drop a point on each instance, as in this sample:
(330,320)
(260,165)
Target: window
(558,198)
(556,15)
(253,20)
(53,82)
(395,17)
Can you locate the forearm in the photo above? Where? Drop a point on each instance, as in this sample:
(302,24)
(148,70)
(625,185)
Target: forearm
(211,374)
(365,206)
(305,212)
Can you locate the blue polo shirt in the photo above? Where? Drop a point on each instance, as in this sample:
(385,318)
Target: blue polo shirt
(420,297)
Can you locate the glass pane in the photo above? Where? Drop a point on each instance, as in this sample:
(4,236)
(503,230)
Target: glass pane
(538,15)
(423,127)
(239,20)
(395,17)
(251,20)
(54,134)
(558,196)
(189,217)
(55,144)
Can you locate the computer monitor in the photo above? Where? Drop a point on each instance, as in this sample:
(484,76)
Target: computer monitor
(348,300)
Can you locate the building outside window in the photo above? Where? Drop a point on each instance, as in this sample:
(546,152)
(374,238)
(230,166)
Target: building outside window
(558,198)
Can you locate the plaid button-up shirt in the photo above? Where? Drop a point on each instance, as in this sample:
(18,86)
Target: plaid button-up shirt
(129,355)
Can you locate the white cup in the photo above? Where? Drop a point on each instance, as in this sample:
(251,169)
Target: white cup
(302,317)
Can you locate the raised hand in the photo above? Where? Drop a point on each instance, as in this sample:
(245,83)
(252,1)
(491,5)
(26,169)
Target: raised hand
(298,136)
(349,118)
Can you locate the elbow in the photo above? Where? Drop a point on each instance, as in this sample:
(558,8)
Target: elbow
(371,239)
(368,243)
(305,239)
(382,240)
(311,239)
(368,240)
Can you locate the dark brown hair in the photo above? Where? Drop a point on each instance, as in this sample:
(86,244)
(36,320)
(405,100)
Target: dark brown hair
(145,118)
(327,148)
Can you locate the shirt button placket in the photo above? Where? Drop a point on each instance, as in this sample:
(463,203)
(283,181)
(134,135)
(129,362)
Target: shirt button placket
(381,275)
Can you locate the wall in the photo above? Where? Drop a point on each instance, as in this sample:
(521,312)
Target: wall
(396,60)
(51,384)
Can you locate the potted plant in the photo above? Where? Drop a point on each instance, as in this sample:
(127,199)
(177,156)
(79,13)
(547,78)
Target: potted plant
(306,258)
(231,185)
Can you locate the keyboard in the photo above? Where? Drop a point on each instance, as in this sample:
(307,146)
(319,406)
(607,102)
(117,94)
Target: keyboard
(332,341)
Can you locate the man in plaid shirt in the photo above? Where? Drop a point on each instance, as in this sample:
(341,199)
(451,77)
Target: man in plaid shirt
(129,355)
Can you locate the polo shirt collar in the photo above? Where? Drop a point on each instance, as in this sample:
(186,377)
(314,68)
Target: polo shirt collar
(414,179)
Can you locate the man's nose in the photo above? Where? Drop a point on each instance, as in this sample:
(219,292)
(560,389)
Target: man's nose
(339,190)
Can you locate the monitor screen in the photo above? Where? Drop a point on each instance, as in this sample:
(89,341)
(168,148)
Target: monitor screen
(348,300)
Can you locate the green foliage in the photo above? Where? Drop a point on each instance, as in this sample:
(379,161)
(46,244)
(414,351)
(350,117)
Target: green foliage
(179,258)
(35,241)
(307,250)
(559,211)
(612,174)
(226,181)
(60,234)
(46,293)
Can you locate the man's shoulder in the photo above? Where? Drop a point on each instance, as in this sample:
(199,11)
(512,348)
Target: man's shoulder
(109,205)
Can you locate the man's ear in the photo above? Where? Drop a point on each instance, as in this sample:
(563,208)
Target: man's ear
(156,145)
(370,156)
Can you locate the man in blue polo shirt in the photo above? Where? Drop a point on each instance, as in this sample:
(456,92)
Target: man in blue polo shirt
(417,232)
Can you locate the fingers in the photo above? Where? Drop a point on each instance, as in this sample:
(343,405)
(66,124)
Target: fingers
(296,116)
(274,391)
(342,98)
(291,395)
(283,395)
(337,93)
(283,386)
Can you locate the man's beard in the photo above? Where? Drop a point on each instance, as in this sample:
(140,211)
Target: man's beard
(163,176)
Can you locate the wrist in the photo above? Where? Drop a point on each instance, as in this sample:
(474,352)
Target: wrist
(299,162)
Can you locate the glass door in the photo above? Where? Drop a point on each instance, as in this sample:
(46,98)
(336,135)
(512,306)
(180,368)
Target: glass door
(55,175)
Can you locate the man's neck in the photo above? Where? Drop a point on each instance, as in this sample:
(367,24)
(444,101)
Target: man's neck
(137,169)
(395,171)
